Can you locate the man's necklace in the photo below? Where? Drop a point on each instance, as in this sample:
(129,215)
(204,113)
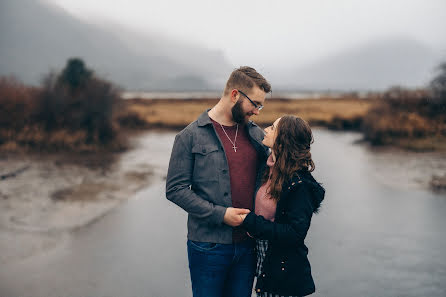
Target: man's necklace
(235,138)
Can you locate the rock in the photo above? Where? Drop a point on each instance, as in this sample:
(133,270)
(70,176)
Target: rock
(438,183)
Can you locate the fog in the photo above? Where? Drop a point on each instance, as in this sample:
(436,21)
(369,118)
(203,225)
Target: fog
(361,45)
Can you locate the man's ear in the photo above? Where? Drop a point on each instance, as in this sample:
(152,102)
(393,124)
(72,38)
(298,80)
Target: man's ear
(234,95)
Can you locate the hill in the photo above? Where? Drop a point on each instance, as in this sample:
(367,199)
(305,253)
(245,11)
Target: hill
(36,36)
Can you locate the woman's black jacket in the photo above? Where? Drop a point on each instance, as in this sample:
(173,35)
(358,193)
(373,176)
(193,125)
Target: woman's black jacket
(286,269)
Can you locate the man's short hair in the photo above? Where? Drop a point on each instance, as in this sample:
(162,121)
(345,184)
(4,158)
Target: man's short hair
(244,78)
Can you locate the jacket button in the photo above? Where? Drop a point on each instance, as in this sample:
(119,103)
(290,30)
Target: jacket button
(224,171)
(300,182)
(293,183)
(283,262)
(258,290)
(263,275)
(283,268)
(203,150)
(226,194)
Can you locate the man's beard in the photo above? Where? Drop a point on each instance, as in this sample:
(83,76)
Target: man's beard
(238,115)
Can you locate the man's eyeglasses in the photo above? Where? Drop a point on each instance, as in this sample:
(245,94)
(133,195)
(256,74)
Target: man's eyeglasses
(257,106)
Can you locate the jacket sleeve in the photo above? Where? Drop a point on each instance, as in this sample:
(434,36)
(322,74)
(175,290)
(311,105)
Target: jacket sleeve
(179,181)
(298,213)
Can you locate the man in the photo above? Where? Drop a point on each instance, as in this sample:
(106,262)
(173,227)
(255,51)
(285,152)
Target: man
(214,169)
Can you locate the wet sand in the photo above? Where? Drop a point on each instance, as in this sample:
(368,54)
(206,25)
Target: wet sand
(58,193)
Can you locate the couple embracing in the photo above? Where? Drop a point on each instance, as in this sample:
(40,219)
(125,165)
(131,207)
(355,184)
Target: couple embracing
(249,195)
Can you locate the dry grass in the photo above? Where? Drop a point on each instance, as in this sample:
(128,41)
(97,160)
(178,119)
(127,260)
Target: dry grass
(406,119)
(166,113)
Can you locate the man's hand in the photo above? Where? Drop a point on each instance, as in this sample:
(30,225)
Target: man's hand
(234,216)
(243,216)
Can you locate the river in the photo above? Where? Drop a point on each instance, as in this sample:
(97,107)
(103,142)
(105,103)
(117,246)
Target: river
(380,232)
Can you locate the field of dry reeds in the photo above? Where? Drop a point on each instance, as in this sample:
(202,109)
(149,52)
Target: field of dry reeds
(407,119)
(343,113)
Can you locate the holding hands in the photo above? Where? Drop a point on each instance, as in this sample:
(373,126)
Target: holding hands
(234,216)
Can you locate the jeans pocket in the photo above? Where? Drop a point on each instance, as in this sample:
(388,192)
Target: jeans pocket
(203,246)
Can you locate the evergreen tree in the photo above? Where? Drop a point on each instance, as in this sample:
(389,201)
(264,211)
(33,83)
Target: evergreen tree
(75,74)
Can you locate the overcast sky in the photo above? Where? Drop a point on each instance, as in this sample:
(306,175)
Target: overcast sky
(265,32)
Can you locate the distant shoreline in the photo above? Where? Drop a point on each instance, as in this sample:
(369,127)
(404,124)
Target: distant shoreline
(217,94)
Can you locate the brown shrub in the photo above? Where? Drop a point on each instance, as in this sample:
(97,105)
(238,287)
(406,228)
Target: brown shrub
(16,104)
(88,108)
(131,120)
(72,111)
(402,113)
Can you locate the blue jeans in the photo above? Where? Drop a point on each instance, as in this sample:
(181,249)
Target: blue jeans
(221,270)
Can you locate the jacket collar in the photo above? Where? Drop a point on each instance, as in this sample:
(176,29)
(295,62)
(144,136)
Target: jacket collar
(204,119)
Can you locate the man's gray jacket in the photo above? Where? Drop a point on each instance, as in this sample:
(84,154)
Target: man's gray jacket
(198,178)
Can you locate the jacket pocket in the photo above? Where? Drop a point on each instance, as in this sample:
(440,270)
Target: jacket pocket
(206,162)
(203,246)
(204,149)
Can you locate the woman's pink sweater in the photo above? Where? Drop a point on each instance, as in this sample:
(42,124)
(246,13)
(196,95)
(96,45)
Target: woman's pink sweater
(265,206)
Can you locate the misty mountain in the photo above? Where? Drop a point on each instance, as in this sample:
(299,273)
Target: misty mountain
(37,36)
(376,65)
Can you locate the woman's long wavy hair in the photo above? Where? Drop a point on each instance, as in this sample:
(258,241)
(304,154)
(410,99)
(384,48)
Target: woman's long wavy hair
(292,151)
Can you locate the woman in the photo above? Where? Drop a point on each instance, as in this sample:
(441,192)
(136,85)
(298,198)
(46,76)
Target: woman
(284,206)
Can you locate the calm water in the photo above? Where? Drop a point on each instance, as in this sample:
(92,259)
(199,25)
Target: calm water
(372,238)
